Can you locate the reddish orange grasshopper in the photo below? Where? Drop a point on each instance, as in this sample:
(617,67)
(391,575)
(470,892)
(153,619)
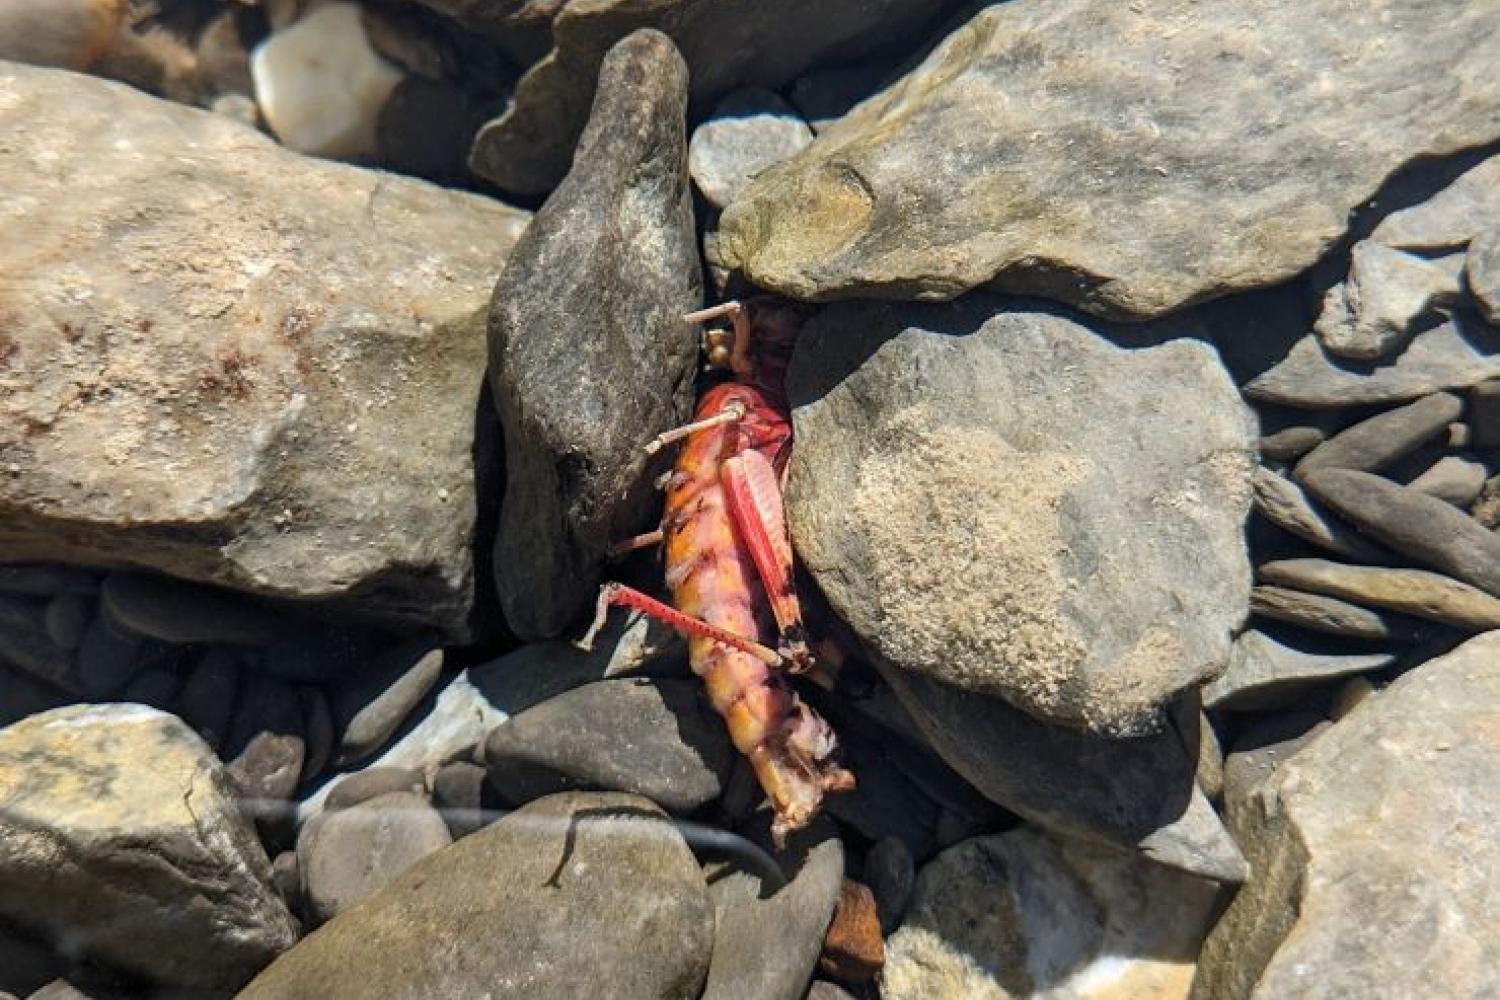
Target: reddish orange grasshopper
(729,564)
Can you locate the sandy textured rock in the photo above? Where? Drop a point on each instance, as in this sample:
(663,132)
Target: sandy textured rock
(589,355)
(1387,296)
(1024,915)
(576,895)
(726,44)
(1365,848)
(119,836)
(1411,591)
(1232,161)
(233,364)
(1266,673)
(1285,504)
(971,504)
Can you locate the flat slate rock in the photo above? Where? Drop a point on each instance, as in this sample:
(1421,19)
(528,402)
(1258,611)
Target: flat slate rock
(267,380)
(983,481)
(582,895)
(1381,440)
(1414,592)
(1367,846)
(1264,673)
(1450,219)
(589,355)
(1329,614)
(1232,162)
(1286,505)
(1386,297)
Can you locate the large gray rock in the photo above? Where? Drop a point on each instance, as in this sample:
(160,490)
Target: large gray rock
(577,895)
(726,43)
(1007,502)
(589,355)
(1026,915)
(1233,156)
(265,378)
(1368,848)
(119,838)
(1265,673)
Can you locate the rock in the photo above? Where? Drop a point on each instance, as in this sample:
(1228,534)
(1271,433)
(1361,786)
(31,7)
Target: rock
(22,695)
(425,127)
(1452,479)
(317,727)
(768,936)
(1449,219)
(589,355)
(1482,273)
(46,579)
(1414,524)
(26,643)
(1484,414)
(820,990)
(853,950)
(66,618)
(361,786)
(206,701)
(1285,505)
(576,895)
(1210,773)
(271,353)
(1410,591)
(345,855)
(69,34)
(1386,297)
(904,197)
(1290,443)
(25,965)
(118,835)
(655,738)
(156,607)
(823,96)
(725,44)
(369,712)
(1023,914)
(458,794)
(1265,673)
(1136,794)
(286,877)
(321,85)
(263,704)
(748,132)
(266,774)
(955,498)
(1452,355)
(1265,745)
(1350,695)
(107,658)
(1368,834)
(1326,614)
(890,874)
(1379,441)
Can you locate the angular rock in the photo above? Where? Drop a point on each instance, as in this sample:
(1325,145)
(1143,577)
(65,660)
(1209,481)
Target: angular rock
(345,855)
(267,382)
(1285,505)
(1290,443)
(1482,272)
(1024,914)
(907,198)
(118,835)
(1386,296)
(726,44)
(1411,591)
(1453,355)
(853,950)
(1449,219)
(1379,441)
(1452,479)
(589,355)
(1265,673)
(367,713)
(576,895)
(1327,614)
(654,738)
(1365,847)
(968,503)
(1417,525)
(748,131)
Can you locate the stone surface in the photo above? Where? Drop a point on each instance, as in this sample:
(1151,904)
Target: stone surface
(890,874)
(22,695)
(1387,296)
(1452,479)
(1327,614)
(25,643)
(1263,746)
(1417,525)
(1290,443)
(157,607)
(655,738)
(1411,591)
(268,379)
(969,502)
(748,131)
(853,949)
(345,855)
(576,895)
(589,355)
(1449,219)
(1482,273)
(66,617)
(206,701)
(1366,847)
(1238,115)
(458,794)
(1023,914)
(369,711)
(1379,441)
(118,835)
(726,44)
(1266,673)
(1484,414)
(107,658)
(1287,506)
(47,579)
(361,786)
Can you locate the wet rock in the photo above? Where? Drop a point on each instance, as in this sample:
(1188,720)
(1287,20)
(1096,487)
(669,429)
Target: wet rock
(1330,615)
(1410,591)
(748,131)
(890,874)
(1417,525)
(1266,673)
(583,895)
(157,607)
(368,712)
(589,355)
(272,351)
(206,701)
(955,497)
(905,196)
(1023,914)
(725,44)
(853,950)
(1386,297)
(1290,443)
(1285,505)
(118,834)
(458,794)
(1365,846)
(1452,479)
(346,855)
(1381,440)
(361,786)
